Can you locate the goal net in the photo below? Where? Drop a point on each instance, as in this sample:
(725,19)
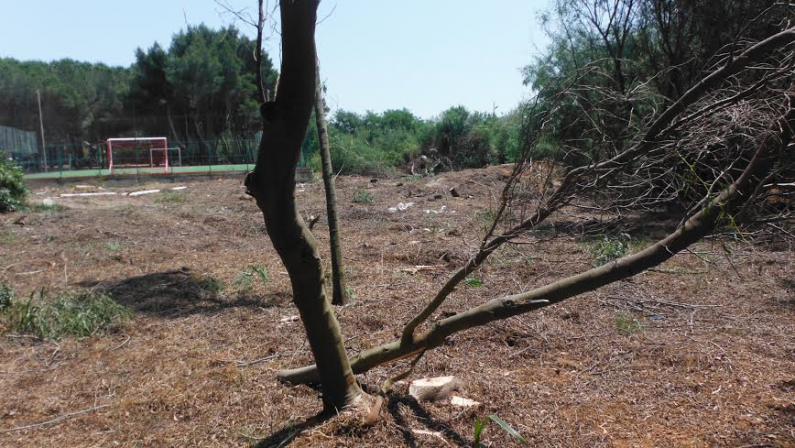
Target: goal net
(138,155)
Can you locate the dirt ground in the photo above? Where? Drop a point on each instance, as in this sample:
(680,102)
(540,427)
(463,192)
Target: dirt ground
(697,353)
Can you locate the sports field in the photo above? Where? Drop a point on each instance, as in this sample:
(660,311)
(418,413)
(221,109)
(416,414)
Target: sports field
(199,169)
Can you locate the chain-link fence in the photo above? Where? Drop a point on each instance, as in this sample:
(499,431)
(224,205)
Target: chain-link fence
(91,159)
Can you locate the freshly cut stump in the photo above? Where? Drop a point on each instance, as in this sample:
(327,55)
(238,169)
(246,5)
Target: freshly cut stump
(433,389)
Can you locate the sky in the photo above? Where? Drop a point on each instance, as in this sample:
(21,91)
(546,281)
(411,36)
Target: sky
(423,55)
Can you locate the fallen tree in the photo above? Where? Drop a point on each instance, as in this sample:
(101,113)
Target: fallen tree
(739,177)
(579,181)
(693,230)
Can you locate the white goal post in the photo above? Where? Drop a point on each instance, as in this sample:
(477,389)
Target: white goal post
(145,154)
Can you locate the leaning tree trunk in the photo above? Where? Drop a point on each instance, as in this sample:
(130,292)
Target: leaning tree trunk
(272,183)
(337,268)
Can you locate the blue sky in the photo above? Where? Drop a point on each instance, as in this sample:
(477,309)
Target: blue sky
(425,55)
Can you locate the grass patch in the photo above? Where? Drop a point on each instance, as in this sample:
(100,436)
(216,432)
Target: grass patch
(474,282)
(363,197)
(7,238)
(46,208)
(70,313)
(112,246)
(113,249)
(244,281)
(212,284)
(487,218)
(627,325)
(171,197)
(608,249)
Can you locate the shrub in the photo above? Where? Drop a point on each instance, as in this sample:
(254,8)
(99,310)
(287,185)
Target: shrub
(70,313)
(212,284)
(6,295)
(608,249)
(362,197)
(12,188)
(244,278)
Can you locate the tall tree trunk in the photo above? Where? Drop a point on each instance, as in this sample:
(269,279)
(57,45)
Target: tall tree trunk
(337,268)
(272,183)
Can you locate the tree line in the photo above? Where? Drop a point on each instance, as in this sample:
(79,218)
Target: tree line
(199,88)
(625,60)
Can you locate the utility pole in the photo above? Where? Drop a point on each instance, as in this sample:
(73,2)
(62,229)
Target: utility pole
(41,125)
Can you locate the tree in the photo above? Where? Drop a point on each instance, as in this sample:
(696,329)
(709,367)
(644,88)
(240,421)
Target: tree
(79,99)
(337,268)
(207,77)
(272,184)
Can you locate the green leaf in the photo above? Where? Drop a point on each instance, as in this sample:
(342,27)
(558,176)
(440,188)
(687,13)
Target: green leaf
(480,424)
(508,428)
(474,282)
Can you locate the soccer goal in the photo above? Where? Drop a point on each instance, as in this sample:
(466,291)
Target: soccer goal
(139,155)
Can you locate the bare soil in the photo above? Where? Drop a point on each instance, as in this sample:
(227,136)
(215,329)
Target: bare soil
(697,353)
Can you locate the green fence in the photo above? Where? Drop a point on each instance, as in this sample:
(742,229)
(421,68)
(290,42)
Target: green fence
(195,157)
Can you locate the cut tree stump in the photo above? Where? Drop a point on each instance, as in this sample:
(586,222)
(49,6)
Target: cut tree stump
(433,389)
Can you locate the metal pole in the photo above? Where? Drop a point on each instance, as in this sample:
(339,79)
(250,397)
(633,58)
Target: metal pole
(41,124)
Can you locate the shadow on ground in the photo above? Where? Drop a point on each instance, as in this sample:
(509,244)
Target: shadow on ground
(646,226)
(176,293)
(421,415)
(285,436)
(396,406)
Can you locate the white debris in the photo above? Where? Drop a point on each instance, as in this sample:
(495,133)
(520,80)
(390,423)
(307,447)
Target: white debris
(401,206)
(288,319)
(436,434)
(432,389)
(436,212)
(72,195)
(84,187)
(419,268)
(463,402)
(48,202)
(143,192)
(179,188)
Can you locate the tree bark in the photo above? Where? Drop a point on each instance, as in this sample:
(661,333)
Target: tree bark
(694,229)
(272,183)
(337,268)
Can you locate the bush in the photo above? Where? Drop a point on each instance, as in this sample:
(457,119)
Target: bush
(609,249)
(6,294)
(244,279)
(70,313)
(12,188)
(363,197)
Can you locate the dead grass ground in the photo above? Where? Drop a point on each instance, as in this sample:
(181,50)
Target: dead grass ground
(699,353)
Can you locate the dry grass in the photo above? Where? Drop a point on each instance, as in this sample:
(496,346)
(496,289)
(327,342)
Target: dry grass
(700,353)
